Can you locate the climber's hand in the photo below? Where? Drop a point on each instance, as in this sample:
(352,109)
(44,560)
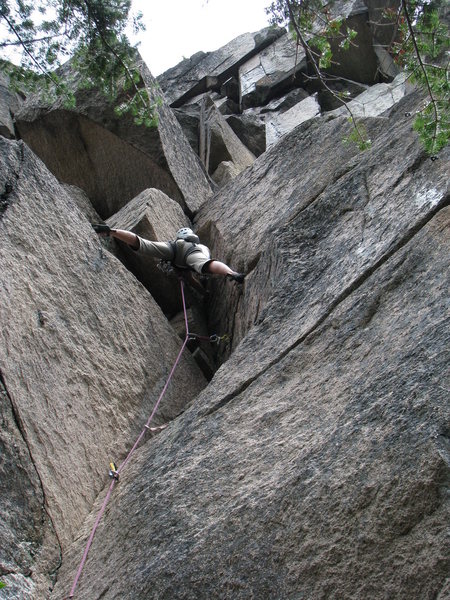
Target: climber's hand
(102,229)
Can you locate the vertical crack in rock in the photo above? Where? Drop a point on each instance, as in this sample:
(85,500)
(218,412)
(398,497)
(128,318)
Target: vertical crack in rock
(409,235)
(364,204)
(21,430)
(11,183)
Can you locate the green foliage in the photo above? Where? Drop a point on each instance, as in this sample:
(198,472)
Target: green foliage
(92,34)
(2,585)
(434,133)
(358,135)
(138,109)
(420,48)
(318,26)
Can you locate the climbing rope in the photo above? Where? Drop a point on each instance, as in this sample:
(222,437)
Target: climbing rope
(114,472)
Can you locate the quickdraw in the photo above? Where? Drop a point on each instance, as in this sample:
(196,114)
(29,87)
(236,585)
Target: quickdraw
(213,339)
(113,473)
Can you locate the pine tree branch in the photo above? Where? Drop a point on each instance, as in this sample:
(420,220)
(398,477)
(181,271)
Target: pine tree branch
(23,43)
(424,72)
(318,72)
(33,41)
(116,55)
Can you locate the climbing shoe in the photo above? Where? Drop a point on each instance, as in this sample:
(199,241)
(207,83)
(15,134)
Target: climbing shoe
(238,277)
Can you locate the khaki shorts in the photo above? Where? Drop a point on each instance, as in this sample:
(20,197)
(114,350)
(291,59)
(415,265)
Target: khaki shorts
(198,260)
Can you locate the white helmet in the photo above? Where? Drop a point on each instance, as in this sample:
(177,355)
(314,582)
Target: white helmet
(185,233)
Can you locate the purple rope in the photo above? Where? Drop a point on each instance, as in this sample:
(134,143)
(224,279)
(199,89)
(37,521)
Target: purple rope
(135,445)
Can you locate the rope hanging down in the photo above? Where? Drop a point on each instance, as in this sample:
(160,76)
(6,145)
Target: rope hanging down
(114,473)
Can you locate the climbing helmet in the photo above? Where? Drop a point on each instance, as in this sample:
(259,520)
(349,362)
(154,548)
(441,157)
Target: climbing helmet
(185,233)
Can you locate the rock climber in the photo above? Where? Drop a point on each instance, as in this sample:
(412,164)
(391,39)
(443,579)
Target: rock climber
(185,252)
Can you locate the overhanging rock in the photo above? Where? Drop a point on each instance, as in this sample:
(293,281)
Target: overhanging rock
(360,62)
(112,159)
(281,66)
(269,71)
(383,26)
(203,72)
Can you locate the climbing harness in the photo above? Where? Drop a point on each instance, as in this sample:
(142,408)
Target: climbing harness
(114,472)
(190,277)
(168,267)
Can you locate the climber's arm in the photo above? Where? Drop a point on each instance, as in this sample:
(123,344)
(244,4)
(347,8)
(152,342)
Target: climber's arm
(128,237)
(161,250)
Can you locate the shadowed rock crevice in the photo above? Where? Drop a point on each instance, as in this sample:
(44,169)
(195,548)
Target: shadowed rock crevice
(6,195)
(125,157)
(154,216)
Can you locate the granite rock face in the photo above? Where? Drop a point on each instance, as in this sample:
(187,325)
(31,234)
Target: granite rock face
(306,450)
(316,462)
(334,486)
(203,72)
(30,553)
(369,185)
(286,121)
(154,216)
(251,130)
(9,104)
(219,143)
(268,70)
(84,354)
(376,99)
